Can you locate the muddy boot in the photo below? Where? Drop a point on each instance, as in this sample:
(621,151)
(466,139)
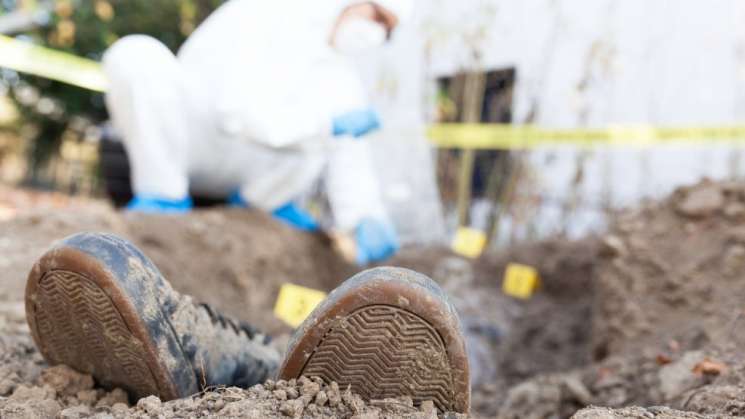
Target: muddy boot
(94,302)
(386,332)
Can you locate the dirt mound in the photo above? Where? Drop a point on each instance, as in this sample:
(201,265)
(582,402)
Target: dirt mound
(232,259)
(649,315)
(673,271)
(667,319)
(236,261)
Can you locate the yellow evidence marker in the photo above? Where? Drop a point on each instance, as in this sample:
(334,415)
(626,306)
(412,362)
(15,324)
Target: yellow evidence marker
(469,242)
(295,303)
(520,281)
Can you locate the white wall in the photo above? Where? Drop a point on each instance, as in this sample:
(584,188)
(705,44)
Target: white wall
(593,63)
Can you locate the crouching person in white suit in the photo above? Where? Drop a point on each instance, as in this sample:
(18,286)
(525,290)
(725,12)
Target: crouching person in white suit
(260,102)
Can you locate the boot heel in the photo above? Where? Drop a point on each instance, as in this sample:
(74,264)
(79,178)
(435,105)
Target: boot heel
(386,332)
(91,304)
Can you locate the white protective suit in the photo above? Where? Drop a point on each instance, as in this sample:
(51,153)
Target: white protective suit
(247,104)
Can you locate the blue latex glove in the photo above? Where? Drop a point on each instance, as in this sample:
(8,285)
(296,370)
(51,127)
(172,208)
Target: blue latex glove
(156,205)
(356,123)
(376,241)
(296,217)
(236,200)
(290,214)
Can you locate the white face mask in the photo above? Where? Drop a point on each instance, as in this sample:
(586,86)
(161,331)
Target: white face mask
(356,35)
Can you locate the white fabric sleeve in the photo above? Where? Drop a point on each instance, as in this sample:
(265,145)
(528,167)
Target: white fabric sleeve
(304,117)
(352,185)
(295,125)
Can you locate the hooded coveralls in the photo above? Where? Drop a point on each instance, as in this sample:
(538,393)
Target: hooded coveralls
(247,104)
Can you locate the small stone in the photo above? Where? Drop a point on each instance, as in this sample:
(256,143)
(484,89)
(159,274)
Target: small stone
(701,201)
(188,404)
(23,393)
(262,393)
(310,388)
(8,381)
(150,404)
(292,408)
(574,386)
(115,396)
(280,395)
(353,401)
(676,378)
(75,412)
(66,381)
(306,398)
(119,408)
(241,409)
(428,406)
(269,385)
(613,246)
(48,408)
(334,395)
(280,384)
(292,393)
(88,397)
(312,410)
(321,398)
(735,211)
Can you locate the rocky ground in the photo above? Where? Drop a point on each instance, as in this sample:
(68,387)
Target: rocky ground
(648,315)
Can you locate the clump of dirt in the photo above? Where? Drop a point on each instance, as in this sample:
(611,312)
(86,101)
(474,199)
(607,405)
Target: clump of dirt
(64,393)
(672,271)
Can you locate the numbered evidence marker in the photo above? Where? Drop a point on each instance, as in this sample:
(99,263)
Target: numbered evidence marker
(295,303)
(520,281)
(469,242)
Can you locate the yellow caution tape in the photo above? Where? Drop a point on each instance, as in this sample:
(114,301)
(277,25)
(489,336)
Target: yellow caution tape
(515,137)
(469,242)
(68,68)
(520,281)
(295,303)
(48,63)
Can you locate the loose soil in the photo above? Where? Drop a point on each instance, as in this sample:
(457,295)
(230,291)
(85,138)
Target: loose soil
(648,315)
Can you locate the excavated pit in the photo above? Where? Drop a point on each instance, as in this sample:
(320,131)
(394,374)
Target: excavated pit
(648,315)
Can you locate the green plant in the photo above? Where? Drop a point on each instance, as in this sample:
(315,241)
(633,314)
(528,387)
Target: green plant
(87,28)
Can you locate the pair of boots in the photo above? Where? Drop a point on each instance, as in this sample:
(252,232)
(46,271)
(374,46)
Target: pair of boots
(94,302)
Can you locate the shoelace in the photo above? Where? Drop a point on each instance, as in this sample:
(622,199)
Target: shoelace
(236,326)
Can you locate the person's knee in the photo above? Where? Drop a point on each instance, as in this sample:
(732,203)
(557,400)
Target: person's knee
(136,55)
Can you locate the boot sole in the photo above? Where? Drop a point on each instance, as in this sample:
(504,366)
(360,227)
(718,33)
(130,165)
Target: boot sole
(92,304)
(387,333)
